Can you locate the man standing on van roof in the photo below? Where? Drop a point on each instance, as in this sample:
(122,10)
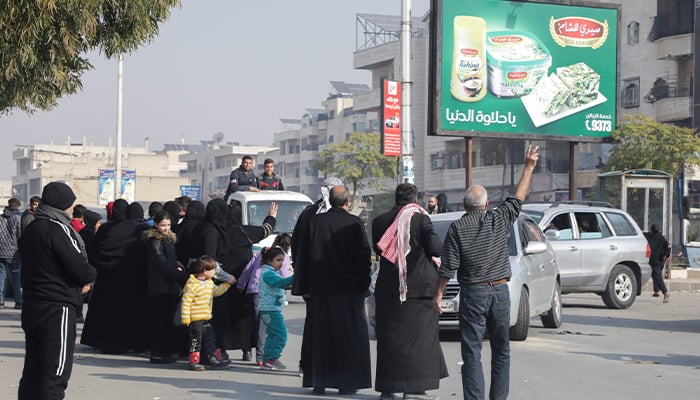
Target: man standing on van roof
(269,180)
(242,178)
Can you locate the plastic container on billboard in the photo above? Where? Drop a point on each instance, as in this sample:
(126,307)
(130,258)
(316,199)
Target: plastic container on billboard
(551,70)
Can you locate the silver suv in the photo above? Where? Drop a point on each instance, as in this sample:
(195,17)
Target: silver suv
(599,250)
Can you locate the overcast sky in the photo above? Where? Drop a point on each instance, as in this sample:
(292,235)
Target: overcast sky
(216,66)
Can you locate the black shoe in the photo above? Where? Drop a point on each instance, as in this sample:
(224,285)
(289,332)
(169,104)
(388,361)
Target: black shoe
(386,396)
(319,390)
(347,392)
(247,356)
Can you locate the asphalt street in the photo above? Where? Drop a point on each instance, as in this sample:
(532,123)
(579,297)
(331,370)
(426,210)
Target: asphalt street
(649,351)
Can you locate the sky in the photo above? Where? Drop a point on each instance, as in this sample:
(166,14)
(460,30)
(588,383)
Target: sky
(216,66)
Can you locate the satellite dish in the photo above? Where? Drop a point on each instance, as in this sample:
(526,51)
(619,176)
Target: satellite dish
(218,137)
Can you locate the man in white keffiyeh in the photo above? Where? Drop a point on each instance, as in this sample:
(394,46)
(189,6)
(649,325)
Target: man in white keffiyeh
(405,318)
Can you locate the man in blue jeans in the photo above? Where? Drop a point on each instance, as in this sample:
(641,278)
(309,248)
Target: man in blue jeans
(475,247)
(10,229)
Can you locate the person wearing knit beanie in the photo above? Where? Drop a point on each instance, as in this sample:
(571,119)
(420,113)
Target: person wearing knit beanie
(58,195)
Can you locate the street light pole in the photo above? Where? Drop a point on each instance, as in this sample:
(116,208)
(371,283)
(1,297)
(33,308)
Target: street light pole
(406,89)
(118,167)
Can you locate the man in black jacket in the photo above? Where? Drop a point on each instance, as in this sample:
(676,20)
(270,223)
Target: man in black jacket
(243,178)
(660,251)
(55,272)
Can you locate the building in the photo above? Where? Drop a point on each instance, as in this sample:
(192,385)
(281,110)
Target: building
(209,164)
(78,164)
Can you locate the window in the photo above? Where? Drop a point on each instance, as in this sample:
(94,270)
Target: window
(331,114)
(591,226)
(630,93)
(621,224)
(633,33)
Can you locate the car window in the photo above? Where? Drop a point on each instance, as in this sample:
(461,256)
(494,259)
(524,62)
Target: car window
(621,225)
(532,232)
(591,225)
(562,223)
(287,213)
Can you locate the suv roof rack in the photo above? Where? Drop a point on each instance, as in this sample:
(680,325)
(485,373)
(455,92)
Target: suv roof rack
(583,203)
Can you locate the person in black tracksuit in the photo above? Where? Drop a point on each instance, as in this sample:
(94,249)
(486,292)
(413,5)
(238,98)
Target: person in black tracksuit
(55,272)
(660,251)
(269,180)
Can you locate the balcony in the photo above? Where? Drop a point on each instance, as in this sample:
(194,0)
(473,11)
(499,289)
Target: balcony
(674,47)
(368,101)
(671,24)
(672,99)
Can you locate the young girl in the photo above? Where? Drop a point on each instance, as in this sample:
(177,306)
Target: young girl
(197,300)
(272,299)
(249,282)
(165,278)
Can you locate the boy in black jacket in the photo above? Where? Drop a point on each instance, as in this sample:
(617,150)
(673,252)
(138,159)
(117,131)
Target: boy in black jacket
(55,272)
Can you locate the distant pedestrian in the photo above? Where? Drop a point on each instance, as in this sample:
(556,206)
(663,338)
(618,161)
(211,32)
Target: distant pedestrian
(432,205)
(197,298)
(269,180)
(28,214)
(55,271)
(78,214)
(476,248)
(272,300)
(243,178)
(153,208)
(10,232)
(442,206)
(660,251)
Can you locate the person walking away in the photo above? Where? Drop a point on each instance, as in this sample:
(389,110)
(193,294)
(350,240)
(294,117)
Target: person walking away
(165,275)
(337,278)
(10,232)
(28,214)
(272,300)
(197,298)
(242,178)
(476,249)
(442,203)
(660,251)
(268,180)
(406,284)
(55,271)
(249,283)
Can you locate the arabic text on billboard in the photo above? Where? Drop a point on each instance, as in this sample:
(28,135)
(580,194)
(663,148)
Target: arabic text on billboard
(391,129)
(525,70)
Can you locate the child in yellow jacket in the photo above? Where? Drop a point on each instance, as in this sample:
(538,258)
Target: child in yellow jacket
(197,299)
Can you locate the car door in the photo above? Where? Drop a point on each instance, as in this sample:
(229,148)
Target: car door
(599,250)
(567,248)
(542,266)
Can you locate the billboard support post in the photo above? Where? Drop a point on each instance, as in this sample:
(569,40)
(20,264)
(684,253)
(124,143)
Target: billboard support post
(406,91)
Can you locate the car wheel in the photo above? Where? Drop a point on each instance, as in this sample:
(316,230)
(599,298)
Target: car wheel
(552,318)
(520,329)
(621,289)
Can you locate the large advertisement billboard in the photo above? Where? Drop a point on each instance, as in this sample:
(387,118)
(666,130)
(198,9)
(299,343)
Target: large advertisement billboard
(391,117)
(519,70)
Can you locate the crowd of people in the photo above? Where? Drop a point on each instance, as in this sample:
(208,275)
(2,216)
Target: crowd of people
(162,285)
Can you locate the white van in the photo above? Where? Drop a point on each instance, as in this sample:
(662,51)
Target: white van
(256,205)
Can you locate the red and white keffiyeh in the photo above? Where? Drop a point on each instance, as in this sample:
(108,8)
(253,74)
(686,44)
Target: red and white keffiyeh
(395,243)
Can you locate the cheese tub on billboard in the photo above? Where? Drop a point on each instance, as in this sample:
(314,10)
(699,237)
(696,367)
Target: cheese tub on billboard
(522,69)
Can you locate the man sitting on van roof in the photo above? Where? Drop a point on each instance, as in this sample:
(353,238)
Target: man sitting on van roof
(269,180)
(242,178)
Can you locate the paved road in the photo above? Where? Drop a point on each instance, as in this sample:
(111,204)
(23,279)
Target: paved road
(650,351)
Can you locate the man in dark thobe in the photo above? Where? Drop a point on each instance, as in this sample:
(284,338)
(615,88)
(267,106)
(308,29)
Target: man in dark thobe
(335,280)
(409,356)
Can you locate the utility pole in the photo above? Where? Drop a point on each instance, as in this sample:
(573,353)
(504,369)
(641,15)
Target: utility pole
(406,90)
(118,165)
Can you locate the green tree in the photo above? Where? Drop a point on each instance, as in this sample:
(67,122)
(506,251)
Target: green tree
(43,43)
(642,143)
(357,161)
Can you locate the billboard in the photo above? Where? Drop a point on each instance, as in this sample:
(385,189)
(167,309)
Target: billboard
(105,184)
(193,191)
(391,118)
(128,185)
(508,69)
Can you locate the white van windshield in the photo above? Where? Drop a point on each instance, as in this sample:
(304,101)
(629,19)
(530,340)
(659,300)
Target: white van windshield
(287,213)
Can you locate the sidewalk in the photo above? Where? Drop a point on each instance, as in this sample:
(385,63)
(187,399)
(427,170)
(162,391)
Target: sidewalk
(681,280)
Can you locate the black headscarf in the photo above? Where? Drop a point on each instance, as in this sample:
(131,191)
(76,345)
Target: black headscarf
(217,214)
(134,211)
(119,210)
(195,211)
(90,219)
